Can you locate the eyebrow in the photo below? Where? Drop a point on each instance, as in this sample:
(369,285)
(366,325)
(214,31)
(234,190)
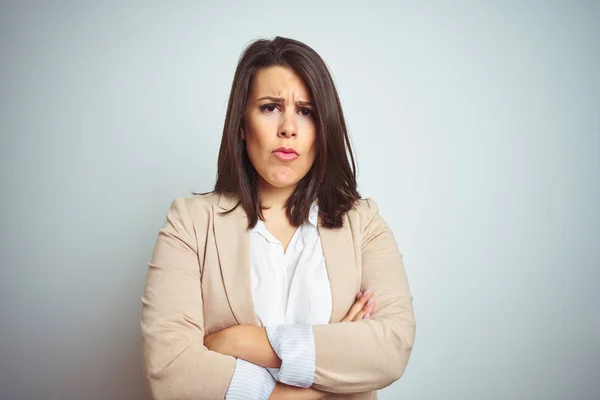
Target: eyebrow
(281,100)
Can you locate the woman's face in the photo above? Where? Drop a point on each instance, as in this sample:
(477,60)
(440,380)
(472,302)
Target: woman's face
(279,127)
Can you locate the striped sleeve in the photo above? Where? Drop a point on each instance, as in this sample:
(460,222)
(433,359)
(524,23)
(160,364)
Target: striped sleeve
(295,346)
(250,381)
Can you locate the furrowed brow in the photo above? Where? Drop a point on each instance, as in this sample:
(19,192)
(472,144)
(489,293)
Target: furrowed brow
(273,99)
(281,100)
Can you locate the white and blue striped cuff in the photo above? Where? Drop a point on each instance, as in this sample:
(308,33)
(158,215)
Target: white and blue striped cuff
(250,381)
(295,346)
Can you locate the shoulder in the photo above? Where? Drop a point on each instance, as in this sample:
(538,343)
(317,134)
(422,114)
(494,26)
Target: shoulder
(194,207)
(202,201)
(372,228)
(364,211)
(365,220)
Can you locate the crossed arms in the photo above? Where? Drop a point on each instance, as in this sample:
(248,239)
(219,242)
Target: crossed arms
(351,357)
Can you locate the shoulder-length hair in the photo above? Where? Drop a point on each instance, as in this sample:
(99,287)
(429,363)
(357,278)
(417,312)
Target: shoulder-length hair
(331,181)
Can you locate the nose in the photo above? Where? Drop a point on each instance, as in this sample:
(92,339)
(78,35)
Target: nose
(287,128)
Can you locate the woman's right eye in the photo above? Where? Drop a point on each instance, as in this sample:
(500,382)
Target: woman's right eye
(268,107)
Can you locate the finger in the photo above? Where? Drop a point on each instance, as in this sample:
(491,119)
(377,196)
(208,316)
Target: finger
(360,304)
(357,306)
(370,306)
(367,309)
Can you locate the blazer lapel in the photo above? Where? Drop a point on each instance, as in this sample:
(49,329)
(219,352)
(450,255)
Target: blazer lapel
(338,250)
(233,248)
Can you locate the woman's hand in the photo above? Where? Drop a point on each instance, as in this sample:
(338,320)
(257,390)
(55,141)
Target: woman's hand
(362,308)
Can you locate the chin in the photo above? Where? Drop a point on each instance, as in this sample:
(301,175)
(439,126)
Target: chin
(281,182)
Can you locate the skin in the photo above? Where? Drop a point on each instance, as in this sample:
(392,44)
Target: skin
(278,114)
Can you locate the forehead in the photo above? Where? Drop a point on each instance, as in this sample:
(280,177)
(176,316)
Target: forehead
(278,81)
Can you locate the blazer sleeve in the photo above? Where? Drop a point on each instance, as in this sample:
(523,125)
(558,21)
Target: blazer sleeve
(366,355)
(176,363)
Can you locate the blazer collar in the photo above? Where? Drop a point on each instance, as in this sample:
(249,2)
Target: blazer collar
(233,247)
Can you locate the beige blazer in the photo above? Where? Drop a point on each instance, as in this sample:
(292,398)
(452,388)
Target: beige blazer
(198,282)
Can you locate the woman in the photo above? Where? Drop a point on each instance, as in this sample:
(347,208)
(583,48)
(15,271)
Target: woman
(282,283)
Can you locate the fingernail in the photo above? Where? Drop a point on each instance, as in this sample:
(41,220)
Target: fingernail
(367,316)
(368,292)
(370,302)
(359,295)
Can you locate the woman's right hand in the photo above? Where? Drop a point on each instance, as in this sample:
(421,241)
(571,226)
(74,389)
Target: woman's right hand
(362,308)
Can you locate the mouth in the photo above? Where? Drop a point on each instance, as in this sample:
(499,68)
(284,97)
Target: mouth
(285,154)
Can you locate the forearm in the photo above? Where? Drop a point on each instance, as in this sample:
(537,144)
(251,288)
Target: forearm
(361,356)
(285,392)
(252,344)
(355,357)
(287,350)
(250,381)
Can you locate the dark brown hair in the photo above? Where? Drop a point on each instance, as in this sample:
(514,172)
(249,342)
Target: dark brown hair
(332,178)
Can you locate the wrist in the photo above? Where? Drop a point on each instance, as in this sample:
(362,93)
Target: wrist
(238,340)
(282,391)
(245,338)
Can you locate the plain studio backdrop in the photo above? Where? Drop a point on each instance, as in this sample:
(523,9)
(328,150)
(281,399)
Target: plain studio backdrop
(477,130)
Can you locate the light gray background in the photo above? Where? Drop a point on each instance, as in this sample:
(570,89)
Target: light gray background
(477,130)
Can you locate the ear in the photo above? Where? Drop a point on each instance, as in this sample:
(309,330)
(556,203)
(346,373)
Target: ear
(242,132)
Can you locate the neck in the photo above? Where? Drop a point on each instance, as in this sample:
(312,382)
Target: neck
(274,197)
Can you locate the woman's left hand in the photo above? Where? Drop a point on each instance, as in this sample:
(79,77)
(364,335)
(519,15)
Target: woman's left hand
(362,307)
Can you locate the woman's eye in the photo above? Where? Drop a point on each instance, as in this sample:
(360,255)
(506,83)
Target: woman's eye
(268,108)
(305,112)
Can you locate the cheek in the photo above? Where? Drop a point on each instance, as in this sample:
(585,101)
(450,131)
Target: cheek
(258,147)
(312,145)
(258,141)
(260,132)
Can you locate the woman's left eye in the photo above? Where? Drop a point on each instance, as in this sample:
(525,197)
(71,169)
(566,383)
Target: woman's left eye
(306,112)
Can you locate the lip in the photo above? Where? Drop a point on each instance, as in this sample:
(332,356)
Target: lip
(286,154)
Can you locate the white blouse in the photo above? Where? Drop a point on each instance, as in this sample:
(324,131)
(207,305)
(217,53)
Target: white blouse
(291,292)
(291,287)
